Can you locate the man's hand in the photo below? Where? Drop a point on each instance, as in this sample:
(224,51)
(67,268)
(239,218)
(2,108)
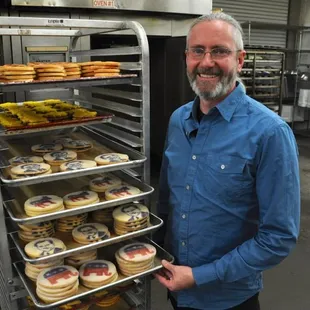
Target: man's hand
(175,278)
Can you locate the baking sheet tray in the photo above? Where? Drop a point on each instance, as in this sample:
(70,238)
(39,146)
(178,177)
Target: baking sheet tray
(22,147)
(74,248)
(105,253)
(15,204)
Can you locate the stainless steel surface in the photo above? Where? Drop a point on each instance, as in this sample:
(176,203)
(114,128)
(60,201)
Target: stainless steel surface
(15,205)
(165,6)
(126,50)
(132,96)
(160,254)
(135,159)
(126,124)
(82,82)
(76,248)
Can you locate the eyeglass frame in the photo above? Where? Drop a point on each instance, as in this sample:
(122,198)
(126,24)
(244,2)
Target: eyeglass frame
(188,52)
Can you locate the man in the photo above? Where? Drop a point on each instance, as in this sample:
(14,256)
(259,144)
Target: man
(229,186)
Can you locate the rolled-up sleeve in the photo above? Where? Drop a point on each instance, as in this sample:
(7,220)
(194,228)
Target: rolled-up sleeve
(278,194)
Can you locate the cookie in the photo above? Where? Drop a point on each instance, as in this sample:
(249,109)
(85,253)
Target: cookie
(78,145)
(104,182)
(77,165)
(32,270)
(103,216)
(97,273)
(31,169)
(67,224)
(79,259)
(90,232)
(80,198)
(121,191)
(44,148)
(133,212)
(58,157)
(18,160)
(44,247)
(43,204)
(111,158)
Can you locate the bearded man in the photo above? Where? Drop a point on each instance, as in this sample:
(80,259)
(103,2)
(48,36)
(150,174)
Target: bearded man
(229,187)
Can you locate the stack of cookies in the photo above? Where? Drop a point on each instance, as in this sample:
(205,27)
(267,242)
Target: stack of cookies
(97,273)
(100,68)
(57,283)
(41,149)
(80,199)
(30,170)
(77,165)
(104,216)
(43,204)
(68,223)
(111,158)
(16,73)
(73,70)
(90,233)
(32,270)
(135,258)
(104,182)
(19,160)
(130,218)
(57,158)
(44,247)
(77,145)
(79,259)
(32,232)
(107,298)
(121,191)
(48,72)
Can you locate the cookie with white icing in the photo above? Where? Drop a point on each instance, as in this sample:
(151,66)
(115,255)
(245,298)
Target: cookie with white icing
(121,191)
(80,198)
(77,165)
(44,247)
(78,145)
(43,204)
(111,158)
(90,232)
(19,160)
(43,148)
(104,182)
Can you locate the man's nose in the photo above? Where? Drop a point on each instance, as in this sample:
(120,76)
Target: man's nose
(207,60)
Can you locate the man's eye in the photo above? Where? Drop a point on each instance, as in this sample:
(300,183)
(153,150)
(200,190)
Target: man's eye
(198,51)
(219,51)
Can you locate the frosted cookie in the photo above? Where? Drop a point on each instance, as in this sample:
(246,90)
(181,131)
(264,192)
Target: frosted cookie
(43,204)
(79,259)
(77,165)
(19,160)
(111,158)
(133,212)
(44,247)
(103,183)
(78,145)
(32,270)
(121,191)
(90,232)
(57,158)
(62,140)
(79,199)
(41,149)
(97,273)
(25,170)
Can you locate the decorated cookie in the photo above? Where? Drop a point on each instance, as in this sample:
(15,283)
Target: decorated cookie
(81,198)
(121,191)
(46,147)
(30,169)
(111,158)
(97,271)
(103,183)
(44,247)
(90,232)
(133,212)
(77,165)
(137,252)
(19,160)
(59,156)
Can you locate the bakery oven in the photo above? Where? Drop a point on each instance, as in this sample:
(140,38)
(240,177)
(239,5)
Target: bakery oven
(165,22)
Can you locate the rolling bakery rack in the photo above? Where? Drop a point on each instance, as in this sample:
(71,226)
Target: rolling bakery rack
(127,97)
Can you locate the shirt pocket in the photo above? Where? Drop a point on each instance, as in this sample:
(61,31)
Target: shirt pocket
(228,175)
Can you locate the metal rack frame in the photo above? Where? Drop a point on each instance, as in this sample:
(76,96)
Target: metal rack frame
(132,132)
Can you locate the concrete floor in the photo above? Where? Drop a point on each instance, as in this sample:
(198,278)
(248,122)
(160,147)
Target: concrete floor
(287,286)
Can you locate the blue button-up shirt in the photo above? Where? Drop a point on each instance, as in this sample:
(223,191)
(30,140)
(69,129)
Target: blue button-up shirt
(230,190)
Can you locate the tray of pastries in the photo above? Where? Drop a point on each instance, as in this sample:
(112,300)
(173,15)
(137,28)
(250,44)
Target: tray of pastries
(58,283)
(82,152)
(47,201)
(33,116)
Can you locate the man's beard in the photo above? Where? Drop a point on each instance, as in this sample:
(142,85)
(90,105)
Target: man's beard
(223,86)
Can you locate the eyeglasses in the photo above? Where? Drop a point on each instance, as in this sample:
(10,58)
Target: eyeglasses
(198,53)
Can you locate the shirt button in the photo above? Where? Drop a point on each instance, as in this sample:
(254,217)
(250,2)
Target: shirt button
(194,157)
(222,167)
(187,187)
(183,216)
(183,243)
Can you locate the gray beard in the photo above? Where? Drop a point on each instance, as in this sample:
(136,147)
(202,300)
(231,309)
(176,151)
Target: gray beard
(221,89)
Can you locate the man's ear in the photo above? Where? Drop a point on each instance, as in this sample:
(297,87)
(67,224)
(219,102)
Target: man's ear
(241,56)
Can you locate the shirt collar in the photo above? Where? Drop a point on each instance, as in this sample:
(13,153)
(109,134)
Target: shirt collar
(226,107)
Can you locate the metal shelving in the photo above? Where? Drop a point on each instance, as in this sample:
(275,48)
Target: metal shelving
(129,132)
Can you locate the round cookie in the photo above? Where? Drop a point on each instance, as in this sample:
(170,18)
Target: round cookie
(78,145)
(137,252)
(43,204)
(80,198)
(30,169)
(44,247)
(111,158)
(133,212)
(18,160)
(46,148)
(90,232)
(121,191)
(103,183)
(79,259)
(77,165)
(58,157)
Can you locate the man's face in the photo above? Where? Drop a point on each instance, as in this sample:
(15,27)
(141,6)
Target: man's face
(45,246)
(132,210)
(88,230)
(213,78)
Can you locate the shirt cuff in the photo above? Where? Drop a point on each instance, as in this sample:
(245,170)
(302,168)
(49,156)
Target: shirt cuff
(205,274)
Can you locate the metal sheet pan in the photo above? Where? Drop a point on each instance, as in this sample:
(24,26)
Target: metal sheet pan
(17,196)
(21,147)
(74,248)
(106,253)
